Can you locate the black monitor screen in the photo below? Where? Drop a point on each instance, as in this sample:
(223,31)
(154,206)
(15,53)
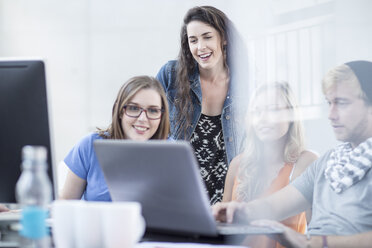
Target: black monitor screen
(24,119)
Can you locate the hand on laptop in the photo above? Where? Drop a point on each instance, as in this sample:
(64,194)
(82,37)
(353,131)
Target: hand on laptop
(3,208)
(229,211)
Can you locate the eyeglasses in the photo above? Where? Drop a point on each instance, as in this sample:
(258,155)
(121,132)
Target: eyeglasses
(134,111)
(273,109)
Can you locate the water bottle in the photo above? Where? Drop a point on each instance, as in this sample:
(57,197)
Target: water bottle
(34,193)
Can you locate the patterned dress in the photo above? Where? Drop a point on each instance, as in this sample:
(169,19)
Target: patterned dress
(207,141)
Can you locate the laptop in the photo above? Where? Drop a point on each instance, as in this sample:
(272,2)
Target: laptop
(164,177)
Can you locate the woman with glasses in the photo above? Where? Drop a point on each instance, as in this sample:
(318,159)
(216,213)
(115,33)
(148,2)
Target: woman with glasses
(140,112)
(201,88)
(274,153)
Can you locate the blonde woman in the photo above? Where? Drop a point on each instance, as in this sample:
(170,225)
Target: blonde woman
(274,153)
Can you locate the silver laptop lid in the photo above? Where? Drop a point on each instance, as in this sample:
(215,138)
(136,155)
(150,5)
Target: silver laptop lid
(164,177)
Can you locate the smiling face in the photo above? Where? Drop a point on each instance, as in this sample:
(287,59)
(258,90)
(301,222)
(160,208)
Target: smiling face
(205,45)
(141,128)
(270,116)
(350,116)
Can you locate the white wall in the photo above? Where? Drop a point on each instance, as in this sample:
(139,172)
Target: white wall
(92,47)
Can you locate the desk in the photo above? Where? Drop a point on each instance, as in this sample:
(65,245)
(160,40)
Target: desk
(8,234)
(9,237)
(181,245)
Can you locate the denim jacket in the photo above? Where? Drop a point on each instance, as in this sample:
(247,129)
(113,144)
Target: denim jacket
(231,127)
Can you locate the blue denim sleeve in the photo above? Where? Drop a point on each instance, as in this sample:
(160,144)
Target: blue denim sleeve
(167,74)
(161,76)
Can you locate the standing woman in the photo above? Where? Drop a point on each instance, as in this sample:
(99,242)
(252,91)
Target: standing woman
(140,112)
(200,93)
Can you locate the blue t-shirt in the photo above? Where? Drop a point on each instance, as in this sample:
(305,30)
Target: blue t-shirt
(83,162)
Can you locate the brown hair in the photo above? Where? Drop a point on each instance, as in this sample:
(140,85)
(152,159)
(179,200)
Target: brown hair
(126,93)
(186,63)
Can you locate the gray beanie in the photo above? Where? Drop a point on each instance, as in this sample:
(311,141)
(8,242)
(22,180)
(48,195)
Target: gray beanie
(363,71)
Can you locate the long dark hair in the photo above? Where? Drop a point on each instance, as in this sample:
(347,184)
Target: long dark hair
(186,63)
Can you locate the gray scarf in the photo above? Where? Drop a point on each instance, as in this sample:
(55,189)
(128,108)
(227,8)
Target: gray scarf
(347,166)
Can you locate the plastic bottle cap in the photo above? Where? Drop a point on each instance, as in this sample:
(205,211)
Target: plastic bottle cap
(38,153)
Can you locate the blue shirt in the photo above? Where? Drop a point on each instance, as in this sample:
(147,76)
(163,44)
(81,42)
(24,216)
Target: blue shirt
(232,121)
(82,161)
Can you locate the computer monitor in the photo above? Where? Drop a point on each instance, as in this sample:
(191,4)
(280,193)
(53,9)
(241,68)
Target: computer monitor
(24,120)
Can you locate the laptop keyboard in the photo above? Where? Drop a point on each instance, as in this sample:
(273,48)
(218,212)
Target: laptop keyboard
(235,228)
(12,215)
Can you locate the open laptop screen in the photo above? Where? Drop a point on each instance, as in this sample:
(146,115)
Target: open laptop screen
(164,177)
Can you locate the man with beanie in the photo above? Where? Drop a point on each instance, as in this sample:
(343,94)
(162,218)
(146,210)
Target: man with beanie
(337,186)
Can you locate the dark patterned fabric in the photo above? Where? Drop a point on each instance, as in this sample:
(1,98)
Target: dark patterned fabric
(209,147)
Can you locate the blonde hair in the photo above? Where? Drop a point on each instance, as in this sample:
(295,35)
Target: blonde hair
(342,74)
(252,176)
(126,93)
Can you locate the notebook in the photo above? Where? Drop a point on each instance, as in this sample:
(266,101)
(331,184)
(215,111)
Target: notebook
(164,177)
